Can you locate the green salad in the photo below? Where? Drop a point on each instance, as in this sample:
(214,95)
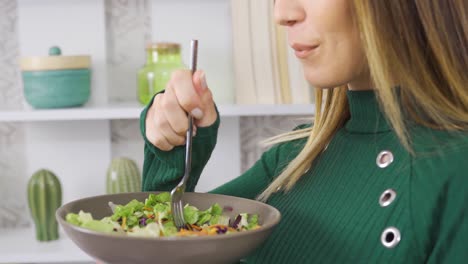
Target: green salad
(153,218)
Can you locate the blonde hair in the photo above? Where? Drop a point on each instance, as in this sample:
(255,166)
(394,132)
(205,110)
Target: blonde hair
(420,46)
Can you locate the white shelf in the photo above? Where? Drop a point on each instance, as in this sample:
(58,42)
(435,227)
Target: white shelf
(21,246)
(133,110)
(111,111)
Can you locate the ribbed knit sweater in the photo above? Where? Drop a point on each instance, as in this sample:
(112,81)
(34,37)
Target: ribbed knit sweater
(352,206)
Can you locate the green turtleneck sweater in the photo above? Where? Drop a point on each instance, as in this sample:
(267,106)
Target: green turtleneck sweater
(334,213)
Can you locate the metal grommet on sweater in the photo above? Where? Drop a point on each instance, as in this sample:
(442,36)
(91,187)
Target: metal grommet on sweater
(384,159)
(390,237)
(387,197)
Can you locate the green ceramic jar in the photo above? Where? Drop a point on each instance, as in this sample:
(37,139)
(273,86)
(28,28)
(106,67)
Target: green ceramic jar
(56,81)
(161,60)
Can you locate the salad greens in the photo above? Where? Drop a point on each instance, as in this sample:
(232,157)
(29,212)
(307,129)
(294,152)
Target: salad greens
(153,218)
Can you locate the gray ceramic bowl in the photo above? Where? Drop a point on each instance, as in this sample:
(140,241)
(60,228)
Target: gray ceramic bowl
(110,248)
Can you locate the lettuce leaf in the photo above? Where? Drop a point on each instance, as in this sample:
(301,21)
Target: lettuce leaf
(98,226)
(253,222)
(169,229)
(203,219)
(151,230)
(153,199)
(191,214)
(216,209)
(127,210)
(73,219)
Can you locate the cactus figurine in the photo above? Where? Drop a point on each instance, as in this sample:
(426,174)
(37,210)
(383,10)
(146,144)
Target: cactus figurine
(123,176)
(44,198)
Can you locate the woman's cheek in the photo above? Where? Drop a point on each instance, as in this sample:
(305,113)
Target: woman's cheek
(327,74)
(336,65)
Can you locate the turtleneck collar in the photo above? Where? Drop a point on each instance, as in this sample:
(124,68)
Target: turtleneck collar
(365,114)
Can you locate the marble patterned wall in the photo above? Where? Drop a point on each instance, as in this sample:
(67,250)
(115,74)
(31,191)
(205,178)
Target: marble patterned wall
(128,25)
(253,130)
(13,207)
(128,28)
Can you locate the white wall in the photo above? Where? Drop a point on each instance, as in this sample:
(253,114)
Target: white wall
(209,21)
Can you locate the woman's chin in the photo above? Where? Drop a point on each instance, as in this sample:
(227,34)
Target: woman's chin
(323,84)
(318,80)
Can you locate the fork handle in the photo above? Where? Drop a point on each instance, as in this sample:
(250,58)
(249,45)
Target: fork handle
(188,146)
(188,150)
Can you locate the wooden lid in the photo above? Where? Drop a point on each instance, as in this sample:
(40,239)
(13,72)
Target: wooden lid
(55,61)
(164,47)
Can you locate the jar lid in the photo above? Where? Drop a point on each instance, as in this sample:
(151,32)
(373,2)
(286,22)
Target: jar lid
(55,61)
(164,47)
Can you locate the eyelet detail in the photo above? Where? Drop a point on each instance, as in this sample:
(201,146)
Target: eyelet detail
(387,197)
(384,159)
(391,237)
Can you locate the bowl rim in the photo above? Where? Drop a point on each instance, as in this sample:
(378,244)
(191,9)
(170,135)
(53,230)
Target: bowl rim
(262,229)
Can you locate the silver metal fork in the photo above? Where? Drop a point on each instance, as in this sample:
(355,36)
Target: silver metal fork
(177,193)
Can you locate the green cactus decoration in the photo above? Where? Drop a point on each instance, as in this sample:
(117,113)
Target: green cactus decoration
(44,198)
(123,176)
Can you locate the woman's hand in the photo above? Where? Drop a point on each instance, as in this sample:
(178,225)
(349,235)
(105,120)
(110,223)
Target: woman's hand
(167,121)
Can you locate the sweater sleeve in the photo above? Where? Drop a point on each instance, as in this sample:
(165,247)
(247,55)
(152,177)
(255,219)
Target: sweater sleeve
(451,242)
(444,177)
(250,184)
(162,170)
(272,162)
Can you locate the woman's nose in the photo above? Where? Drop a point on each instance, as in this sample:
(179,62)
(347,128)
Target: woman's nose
(288,12)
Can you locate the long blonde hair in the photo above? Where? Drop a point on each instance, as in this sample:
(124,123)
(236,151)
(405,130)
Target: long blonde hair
(420,46)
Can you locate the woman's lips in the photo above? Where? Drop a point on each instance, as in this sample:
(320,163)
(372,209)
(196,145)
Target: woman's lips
(303,51)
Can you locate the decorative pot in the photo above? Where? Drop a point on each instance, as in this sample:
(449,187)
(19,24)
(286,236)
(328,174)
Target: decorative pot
(56,81)
(123,176)
(44,198)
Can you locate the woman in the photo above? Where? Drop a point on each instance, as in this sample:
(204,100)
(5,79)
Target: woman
(381,176)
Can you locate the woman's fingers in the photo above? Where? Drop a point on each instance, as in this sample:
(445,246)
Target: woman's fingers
(182,85)
(201,87)
(159,131)
(174,113)
(167,121)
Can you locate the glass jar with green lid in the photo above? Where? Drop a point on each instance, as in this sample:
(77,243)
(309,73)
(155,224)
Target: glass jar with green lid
(162,58)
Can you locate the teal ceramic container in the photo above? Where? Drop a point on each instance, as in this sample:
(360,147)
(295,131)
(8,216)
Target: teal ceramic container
(56,81)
